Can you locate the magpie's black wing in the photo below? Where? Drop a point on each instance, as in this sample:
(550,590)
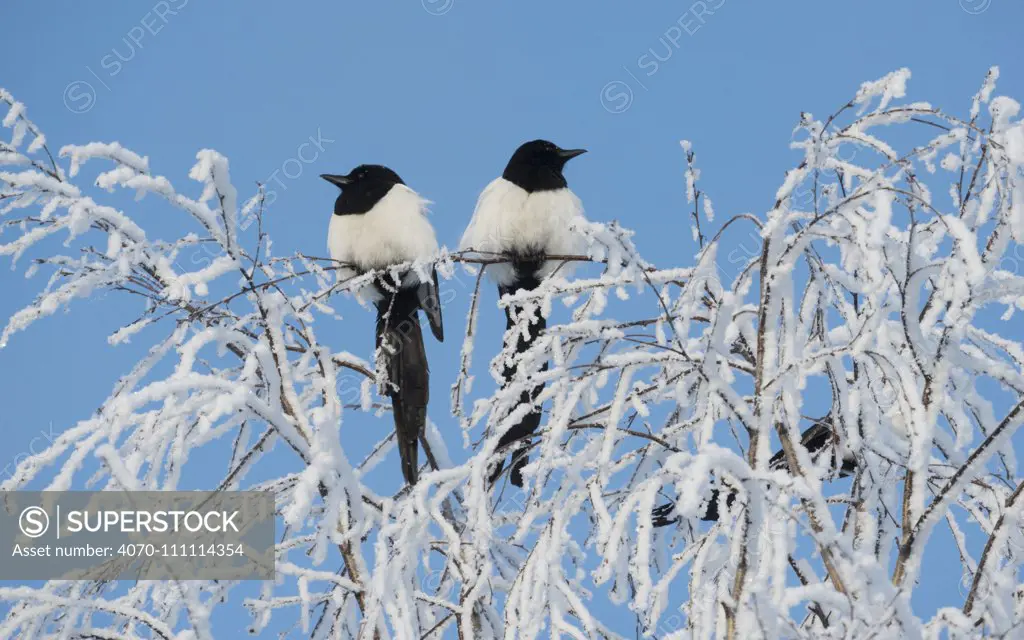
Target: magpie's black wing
(430,301)
(664,515)
(815,439)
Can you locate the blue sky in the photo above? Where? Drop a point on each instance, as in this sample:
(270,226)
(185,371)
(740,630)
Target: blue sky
(443,92)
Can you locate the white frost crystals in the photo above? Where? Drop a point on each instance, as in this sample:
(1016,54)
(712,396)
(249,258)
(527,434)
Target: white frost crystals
(883,299)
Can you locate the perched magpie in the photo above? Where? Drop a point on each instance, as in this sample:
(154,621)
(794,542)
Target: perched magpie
(526,214)
(817,439)
(379,222)
(664,515)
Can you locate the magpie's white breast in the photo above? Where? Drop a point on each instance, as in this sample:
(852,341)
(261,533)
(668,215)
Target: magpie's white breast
(508,219)
(395,230)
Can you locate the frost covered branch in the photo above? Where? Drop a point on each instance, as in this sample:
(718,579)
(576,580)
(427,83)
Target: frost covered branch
(751,446)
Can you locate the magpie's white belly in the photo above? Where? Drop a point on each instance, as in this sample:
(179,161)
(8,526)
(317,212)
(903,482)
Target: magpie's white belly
(396,230)
(508,219)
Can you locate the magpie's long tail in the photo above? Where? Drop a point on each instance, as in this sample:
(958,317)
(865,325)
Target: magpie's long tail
(526,279)
(401,343)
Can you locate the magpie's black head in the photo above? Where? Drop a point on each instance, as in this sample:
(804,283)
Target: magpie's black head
(537,166)
(362,188)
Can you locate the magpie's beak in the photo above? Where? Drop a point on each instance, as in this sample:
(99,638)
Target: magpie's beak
(569,154)
(338,181)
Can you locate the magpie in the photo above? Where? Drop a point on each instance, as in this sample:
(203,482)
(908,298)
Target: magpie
(378,223)
(816,439)
(525,215)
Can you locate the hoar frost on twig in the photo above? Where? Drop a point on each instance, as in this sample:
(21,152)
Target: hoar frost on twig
(881,304)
